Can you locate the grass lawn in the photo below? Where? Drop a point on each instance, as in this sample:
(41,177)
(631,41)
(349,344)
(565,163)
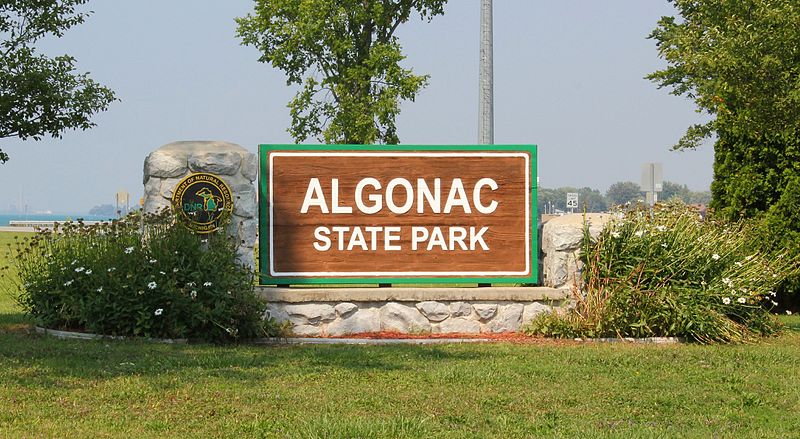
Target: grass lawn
(68,388)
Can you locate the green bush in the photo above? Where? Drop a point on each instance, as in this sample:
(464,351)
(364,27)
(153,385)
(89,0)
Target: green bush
(779,230)
(673,274)
(140,276)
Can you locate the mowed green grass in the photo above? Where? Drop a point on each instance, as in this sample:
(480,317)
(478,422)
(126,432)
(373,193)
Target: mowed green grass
(70,388)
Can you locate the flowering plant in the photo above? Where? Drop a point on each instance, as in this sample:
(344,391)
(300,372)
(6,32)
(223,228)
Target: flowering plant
(143,276)
(673,274)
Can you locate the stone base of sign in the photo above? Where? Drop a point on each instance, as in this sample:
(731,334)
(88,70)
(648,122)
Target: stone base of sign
(561,246)
(334,312)
(165,167)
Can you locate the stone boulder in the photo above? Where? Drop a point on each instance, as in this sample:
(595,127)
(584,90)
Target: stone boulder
(403,318)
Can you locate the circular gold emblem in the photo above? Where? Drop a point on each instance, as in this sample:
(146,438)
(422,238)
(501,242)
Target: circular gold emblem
(202,202)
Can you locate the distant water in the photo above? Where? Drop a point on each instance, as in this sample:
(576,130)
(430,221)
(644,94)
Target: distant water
(5,218)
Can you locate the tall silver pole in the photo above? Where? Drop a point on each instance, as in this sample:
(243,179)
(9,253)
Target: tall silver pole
(486,107)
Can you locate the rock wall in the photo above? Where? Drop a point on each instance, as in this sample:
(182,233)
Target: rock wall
(337,312)
(561,244)
(167,165)
(436,317)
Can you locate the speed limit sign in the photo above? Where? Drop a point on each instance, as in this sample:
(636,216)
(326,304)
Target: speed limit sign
(572,200)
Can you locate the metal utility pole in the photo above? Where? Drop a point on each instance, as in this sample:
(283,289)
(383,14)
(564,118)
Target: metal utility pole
(486,107)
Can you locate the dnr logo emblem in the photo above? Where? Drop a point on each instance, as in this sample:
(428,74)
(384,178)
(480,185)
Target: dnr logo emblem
(202,202)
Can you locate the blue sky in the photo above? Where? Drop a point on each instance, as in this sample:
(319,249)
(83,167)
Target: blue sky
(568,77)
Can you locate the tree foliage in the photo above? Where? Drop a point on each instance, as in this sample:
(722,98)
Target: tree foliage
(345,56)
(591,200)
(623,192)
(739,61)
(40,95)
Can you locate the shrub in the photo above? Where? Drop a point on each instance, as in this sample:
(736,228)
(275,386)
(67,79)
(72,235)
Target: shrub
(673,274)
(779,230)
(139,276)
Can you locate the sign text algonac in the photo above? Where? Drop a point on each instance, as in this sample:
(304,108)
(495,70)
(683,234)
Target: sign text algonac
(397,214)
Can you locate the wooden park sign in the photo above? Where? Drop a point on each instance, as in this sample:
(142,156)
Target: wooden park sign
(397,214)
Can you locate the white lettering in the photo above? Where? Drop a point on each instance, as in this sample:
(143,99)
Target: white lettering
(340,237)
(418,235)
(357,239)
(477,239)
(314,197)
(335,198)
(373,235)
(457,197)
(375,198)
(437,238)
(323,243)
(457,235)
(424,193)
(390,195)
(390,235)
(476,196)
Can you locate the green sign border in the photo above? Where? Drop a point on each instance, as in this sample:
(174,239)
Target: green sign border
(263,238)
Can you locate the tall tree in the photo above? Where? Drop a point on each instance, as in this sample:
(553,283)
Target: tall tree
(40,95)
(739,61)
(345,56)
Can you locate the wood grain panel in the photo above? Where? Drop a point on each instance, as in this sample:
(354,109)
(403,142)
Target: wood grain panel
(292,233)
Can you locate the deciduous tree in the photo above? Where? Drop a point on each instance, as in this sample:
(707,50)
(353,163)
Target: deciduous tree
(40,95)
(623,192)
(345,57)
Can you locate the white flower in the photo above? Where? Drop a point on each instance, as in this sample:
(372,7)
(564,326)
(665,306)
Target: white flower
(74,261)
(100,290)
(774,303)
(140,292)
(129,250)
(79,269)
(68,283)
(727,281)
(152,285)
(741,300)
(191,284)
(206,284)
(715,257)
(664,244)
(88,272)
(615,234)
(194,294)
(788,313)
(204,241)
(153,261)
(162,273)
(639,233)
(738,264)
(174,270)
(661,228)
(111,269)
(749,257)
(726,300)
(773,294)
(159,311)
